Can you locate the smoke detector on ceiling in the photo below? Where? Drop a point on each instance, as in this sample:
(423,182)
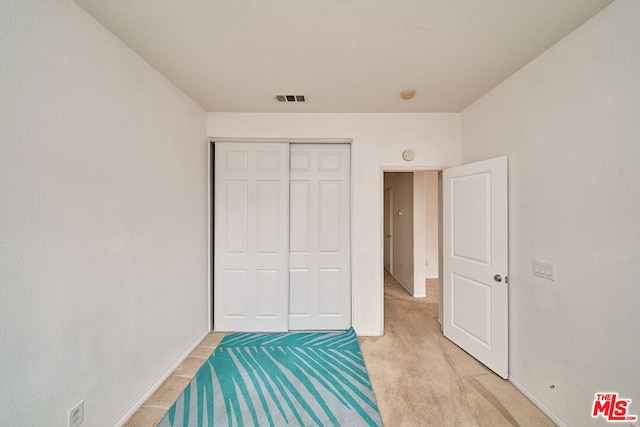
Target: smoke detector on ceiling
(290,98)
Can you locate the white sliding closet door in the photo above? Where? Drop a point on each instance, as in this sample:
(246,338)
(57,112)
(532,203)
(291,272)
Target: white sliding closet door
(251,241)
(319,237)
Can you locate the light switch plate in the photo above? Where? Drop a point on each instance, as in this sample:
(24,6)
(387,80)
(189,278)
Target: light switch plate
(543,269)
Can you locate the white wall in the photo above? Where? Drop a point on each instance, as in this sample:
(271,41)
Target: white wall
(419,234)
(432,212)
(569,122)
(378,142)
(103,219)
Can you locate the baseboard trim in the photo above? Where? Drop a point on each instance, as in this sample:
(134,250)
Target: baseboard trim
(536,402)
(405,287)
(157,385)
(369,333)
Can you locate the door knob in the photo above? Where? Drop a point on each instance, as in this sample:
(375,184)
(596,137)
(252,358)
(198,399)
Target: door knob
(497,278)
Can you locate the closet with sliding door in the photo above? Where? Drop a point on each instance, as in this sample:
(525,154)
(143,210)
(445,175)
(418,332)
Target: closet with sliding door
(282,237)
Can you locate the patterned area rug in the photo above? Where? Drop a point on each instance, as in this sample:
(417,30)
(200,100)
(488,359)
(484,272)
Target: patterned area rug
(302,379)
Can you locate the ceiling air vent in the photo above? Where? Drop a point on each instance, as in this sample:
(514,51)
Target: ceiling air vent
(287,98)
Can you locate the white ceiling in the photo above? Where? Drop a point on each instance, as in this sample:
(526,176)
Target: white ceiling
(346,55)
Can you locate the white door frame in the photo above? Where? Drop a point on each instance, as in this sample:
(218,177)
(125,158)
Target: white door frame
(412,168)
(211,208)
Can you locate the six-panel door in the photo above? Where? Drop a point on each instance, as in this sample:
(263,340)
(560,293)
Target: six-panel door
(319,235)
(251,250)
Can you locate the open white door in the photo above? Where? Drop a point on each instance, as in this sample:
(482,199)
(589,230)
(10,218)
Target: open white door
(475,256)
(251,242)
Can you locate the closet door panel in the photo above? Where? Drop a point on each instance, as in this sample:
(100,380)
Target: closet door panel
(320,192)
(251,239)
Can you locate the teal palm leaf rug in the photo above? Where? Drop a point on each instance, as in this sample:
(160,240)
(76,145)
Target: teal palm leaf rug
(298,379)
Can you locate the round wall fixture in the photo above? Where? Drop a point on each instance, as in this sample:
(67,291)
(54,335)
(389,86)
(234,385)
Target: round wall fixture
(407,94)
(408,155)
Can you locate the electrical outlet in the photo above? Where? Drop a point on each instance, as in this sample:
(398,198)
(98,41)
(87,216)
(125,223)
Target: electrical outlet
(76,414)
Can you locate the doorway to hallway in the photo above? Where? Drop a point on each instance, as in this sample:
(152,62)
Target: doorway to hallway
(411,228)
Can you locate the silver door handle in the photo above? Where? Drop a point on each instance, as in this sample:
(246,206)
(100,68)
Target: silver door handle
(497,278)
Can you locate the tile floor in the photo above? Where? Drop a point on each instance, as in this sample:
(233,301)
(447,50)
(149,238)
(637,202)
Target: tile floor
(155,408)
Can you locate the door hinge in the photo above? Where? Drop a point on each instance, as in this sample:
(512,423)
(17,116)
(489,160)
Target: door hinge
(506,279)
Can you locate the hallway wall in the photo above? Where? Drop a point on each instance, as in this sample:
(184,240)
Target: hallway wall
(403,227)
(432,213)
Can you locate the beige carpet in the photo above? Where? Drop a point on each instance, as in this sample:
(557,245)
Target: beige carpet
(422,379)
